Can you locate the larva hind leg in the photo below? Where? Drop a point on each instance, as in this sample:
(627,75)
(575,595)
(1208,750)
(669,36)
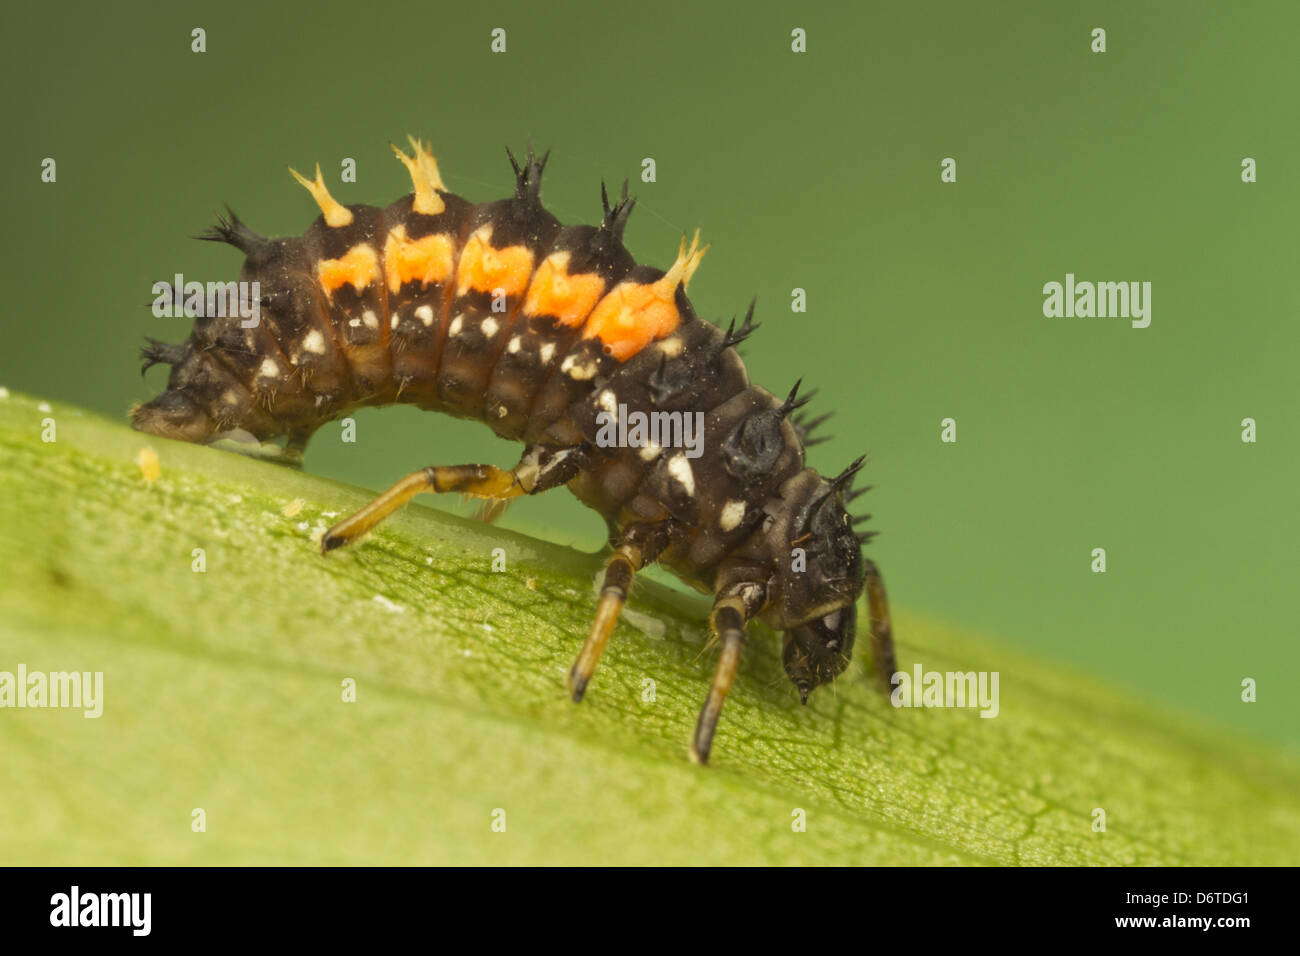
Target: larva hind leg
(541,468)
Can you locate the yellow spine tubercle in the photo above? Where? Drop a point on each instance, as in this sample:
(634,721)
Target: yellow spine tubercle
(430,165)
(424,177)
(336,214)
(688,260)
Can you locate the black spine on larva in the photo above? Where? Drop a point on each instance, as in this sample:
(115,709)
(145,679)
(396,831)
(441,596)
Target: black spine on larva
(482,321)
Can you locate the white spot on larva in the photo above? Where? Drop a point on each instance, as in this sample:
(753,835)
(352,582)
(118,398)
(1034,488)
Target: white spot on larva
(371,320)
(651,451)
(489,327)
(576,371)
(671,347)
(608,401)
(526,471)
(392,323)
(514,344)
(501,411)
(230,397)
(681,471)
(548,352)
(269,369)
(425,315)
(354,323)
(314,342)
(456,325)
(556,459)
(733,512)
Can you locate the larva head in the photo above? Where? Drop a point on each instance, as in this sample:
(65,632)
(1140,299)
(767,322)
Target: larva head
(173,415)
(202,401)
(819,579)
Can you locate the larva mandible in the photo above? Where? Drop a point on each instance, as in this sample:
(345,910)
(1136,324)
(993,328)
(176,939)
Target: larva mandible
(497,312)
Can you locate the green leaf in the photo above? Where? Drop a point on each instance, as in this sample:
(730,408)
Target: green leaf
(223,691)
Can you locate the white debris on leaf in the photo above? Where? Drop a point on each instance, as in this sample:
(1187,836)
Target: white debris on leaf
(44,407)
(647,624)
(4,393)
(293,508)
(388,605)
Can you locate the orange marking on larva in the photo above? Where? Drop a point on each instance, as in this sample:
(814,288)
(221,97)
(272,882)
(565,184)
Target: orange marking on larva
(358,267)
(631,317)
(570,298)
(428,259)
(485,269)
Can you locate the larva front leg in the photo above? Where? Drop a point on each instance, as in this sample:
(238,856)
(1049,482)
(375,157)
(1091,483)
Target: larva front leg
(542,467)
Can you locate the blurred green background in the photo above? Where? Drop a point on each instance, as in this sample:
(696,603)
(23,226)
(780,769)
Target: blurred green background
(819,171)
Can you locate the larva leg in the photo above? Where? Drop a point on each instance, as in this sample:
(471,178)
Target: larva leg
(732,610)
(639,545)
(541,469)
(882,631)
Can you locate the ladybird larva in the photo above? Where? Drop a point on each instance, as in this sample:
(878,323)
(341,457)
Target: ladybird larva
(555,337)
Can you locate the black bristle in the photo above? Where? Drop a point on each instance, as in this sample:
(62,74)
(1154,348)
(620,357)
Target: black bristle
(156,353)
(735,336)
(845,477)
(807,427)
(615,217)
(791,404)
(528,178)
(232,231)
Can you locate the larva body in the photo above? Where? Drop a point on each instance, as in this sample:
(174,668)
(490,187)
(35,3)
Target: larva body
(555,337)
